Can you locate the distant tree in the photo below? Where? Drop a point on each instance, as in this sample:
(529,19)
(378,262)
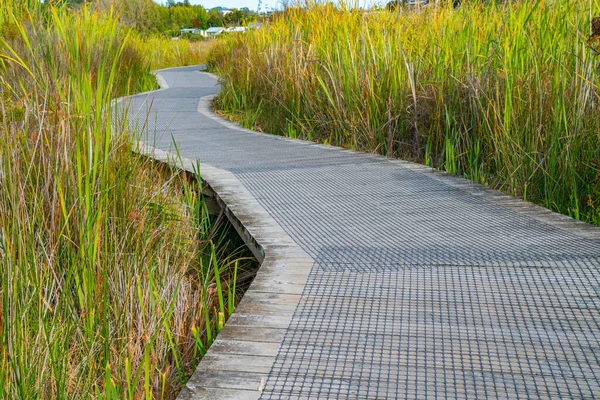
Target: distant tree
(201,15)
(184,3)
(141,15)
(215,18)
(234,17)
(146,16)
(182,16)
(392,5)
(248,13)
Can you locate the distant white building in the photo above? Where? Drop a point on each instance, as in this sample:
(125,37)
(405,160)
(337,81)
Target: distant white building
(215,30)
(236,29)
(191,31)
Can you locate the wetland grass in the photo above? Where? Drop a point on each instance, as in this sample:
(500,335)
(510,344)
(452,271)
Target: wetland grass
(113,276)
(503,93)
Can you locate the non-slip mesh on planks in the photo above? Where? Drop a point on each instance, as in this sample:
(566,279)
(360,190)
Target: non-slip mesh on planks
(419,290)
(442,332)
(379,213)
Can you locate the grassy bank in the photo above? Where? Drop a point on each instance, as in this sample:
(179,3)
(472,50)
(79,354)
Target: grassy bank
(164,53)
(506,95)
(112,282)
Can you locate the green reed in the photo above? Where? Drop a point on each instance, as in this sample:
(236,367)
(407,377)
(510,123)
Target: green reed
(105,270)
(506,92)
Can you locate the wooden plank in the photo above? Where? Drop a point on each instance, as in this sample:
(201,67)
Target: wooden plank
(204,393)
(236,362)
(222,346)
(227,380)
(280,299)
(263,321)
(249,307)
(252,334)
(276,287)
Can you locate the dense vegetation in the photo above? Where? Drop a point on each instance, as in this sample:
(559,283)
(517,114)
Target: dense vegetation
(505,94)
(112,282)
(146,16)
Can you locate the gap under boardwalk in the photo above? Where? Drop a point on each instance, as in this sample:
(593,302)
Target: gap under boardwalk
(406,282)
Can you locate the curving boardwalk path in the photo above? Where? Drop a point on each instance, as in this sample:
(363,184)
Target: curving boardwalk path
(383,279)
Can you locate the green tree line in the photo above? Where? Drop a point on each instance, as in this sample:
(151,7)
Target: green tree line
(146,16)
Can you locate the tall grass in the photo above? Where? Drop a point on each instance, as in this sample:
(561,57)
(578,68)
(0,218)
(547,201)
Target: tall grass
(164,53)
(112,282)
(506,95)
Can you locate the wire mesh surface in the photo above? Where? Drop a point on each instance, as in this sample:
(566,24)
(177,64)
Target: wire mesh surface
(419,290)
(442,332)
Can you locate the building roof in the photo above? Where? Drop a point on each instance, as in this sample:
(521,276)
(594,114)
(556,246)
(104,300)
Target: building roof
(237,29)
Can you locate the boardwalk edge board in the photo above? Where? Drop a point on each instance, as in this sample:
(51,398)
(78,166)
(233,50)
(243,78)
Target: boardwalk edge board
(279,256)
(237,363)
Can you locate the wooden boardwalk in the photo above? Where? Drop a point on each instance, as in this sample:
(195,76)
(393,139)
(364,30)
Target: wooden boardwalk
(381,278)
